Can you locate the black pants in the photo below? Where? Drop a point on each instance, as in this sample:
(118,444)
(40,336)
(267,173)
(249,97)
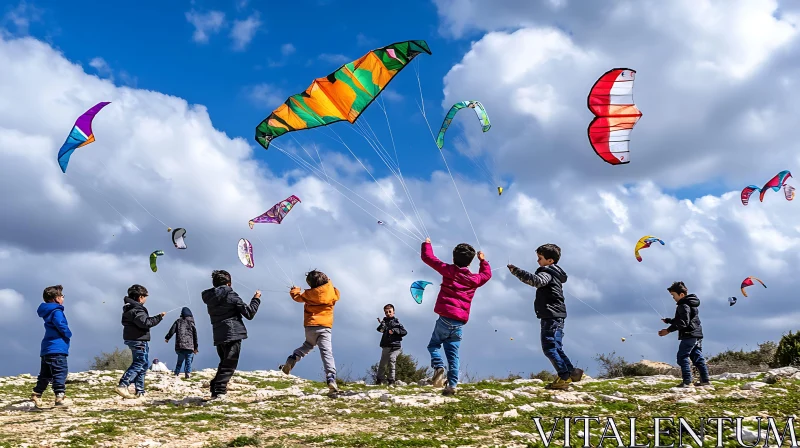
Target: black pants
(53,370)
(228,361)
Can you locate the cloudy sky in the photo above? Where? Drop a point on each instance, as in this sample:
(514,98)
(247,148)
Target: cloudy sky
(716,81)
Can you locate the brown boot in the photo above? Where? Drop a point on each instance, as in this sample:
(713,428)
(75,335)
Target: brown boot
(37,400)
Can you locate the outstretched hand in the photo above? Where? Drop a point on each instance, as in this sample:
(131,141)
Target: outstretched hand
(428,240)
(166,341)
(664,320)
(295,290)
(511,267)
(663,332)
(163,314)
(379,319)
(257,295)
(481,256)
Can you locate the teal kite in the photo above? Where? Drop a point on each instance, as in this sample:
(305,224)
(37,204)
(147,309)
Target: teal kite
(81,135)
(417,288)
(479,111)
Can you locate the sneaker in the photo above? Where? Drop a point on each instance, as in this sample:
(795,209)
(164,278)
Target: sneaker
(576,375)
(438,377)
(683,385)
(449,391)
(559,384)
(378,382)
(61,400)
(391,383)
(37,399)
(124,392)
(290,362)
(332,387)
(219,397)
(187,376)
(702,384)
(141,394)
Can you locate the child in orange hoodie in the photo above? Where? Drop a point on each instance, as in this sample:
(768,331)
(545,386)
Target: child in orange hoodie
(318,322)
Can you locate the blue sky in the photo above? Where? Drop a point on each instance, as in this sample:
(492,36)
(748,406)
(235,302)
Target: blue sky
(150,45)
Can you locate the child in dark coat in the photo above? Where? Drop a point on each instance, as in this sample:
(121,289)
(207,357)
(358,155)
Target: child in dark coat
(55,346)
(226,309)
(185,341)
(550,308)
(690,334)
(136,324)
(392,335)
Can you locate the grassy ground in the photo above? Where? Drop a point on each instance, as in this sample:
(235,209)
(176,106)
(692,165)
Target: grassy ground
(267,409)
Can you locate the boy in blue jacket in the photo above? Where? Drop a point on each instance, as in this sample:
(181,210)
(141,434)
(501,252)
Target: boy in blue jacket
(55,346)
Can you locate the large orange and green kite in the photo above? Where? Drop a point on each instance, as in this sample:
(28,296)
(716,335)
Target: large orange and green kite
(342,95)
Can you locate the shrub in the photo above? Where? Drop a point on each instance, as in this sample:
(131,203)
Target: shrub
(788,351)
(741,361)
(407,370)
(544,375)
(116,360)
(613,366)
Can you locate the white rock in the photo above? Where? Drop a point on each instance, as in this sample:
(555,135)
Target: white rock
(784,371)
(611,398)
(753,385)
(687,401)
(511,414)
(528,381)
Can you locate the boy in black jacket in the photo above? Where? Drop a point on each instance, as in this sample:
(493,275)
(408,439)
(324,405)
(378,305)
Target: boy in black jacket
(185,341)
(393,332)
(136,324)
(551,309)
(226,309)
(690,334)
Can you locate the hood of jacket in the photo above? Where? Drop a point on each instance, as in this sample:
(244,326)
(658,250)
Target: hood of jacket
(556,271)
(46,309)
(186,312)
(215,295)
(130,303)
(690,300)
(315,294)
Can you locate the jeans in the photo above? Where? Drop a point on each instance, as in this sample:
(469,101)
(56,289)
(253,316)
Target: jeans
(692,350)
(53,369)
(185,358)
(551,334)
(388,359)
(318,336)
(446,332)
(228,361)
(140,350)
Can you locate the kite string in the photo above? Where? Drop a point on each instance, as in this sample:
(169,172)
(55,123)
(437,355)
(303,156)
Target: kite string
(134,197)
(273,258)
(405,232)
(424,115)
(310,263)
(104,200)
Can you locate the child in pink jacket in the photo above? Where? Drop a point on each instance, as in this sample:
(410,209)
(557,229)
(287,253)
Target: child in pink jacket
(452,306)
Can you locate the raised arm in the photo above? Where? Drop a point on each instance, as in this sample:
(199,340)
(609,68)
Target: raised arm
(536,280)
(484,273)
(430,259)
(247,311)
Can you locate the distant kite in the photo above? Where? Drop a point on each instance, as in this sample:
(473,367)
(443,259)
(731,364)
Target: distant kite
(474,105)
(749,282)
(177,238)
(81,135)
(611,101)
(246,253)
(417,288)
(153,255)
(276,214)
(747,192)
(776,183)
(643,243)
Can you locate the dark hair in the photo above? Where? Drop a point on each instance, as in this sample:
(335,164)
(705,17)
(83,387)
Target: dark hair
(316,278)
(136,291)
(51,292)
(678,288)
(388,305)
(549,252)
(220,278)
(463,254)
